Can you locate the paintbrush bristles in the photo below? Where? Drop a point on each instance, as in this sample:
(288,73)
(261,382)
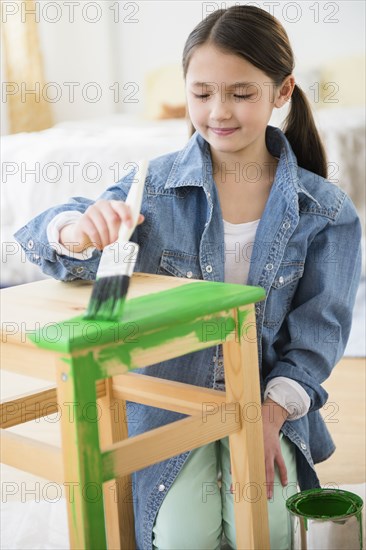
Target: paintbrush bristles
(108,298)
(110,289)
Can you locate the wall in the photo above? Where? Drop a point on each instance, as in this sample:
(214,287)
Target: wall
(115,44)
(319,32)
(78,56)
(79,51)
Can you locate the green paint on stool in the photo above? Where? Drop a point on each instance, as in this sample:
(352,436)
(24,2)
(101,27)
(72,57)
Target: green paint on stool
(168,309)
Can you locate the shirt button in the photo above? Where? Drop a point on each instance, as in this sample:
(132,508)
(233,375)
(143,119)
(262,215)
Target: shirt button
(79,269)
(257,309)
(280,280)
(209,268)
(161,487)
(209,195)
(189,274)
(286,225)
(269,267)
(303,446)
(30,244)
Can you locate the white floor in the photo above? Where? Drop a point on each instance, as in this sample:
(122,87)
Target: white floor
(34,525)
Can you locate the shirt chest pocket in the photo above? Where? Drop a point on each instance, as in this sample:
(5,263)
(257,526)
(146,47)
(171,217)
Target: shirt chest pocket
(281,293)
(180,264)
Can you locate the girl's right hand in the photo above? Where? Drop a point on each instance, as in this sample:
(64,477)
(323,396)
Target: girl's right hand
(98,226)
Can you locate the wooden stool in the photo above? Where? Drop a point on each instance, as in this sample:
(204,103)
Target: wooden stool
(90,360)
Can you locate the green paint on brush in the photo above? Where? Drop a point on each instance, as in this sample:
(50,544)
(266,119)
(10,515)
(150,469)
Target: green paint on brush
(108,298)
(161,310)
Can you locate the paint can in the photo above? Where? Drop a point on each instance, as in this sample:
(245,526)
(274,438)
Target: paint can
(325,519)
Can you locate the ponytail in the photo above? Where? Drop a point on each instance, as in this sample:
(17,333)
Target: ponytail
(301,132)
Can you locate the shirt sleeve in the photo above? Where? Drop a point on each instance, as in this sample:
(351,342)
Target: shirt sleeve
(39,237)
(290,395)
(319,322)
(53,235)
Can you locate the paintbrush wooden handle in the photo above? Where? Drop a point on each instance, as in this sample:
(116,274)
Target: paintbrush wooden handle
(134,200)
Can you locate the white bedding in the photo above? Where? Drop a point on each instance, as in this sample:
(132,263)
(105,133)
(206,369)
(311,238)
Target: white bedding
(71,159)
(83,158)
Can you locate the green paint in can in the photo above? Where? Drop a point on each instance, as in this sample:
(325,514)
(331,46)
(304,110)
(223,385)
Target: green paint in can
(321,518)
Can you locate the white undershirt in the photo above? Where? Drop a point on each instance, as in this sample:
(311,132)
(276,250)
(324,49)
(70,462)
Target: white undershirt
(239,239)
(53,235)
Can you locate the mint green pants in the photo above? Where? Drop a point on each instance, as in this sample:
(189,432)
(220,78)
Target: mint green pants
(196,511)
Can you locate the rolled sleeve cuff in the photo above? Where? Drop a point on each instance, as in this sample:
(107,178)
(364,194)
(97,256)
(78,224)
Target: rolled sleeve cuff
(290,395)
(53,235)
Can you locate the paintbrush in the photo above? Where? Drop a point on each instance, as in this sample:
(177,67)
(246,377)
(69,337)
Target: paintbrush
(118,261)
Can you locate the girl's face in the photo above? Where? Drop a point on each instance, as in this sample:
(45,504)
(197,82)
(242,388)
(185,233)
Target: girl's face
(229,100)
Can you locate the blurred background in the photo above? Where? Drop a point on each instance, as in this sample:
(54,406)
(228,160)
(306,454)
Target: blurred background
(90,86)
(128,48)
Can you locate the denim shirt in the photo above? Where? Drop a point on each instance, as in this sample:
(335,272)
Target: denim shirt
(306,255)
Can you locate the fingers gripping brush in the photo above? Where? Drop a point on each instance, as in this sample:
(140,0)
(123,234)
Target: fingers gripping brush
(118,261)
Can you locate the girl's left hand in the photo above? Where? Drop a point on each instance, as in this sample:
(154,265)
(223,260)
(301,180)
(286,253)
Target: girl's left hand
(273,416)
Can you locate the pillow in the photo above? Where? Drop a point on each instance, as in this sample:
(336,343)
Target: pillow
(342,83)
(172,111)
(165,93)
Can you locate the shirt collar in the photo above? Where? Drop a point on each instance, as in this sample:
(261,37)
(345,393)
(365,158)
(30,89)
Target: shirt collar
(193,165)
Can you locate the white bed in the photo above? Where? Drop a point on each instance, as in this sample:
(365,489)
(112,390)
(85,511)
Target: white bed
(71,159)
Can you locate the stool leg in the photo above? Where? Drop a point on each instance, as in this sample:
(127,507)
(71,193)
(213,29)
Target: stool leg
(76,395)
(118,492)
(246,445)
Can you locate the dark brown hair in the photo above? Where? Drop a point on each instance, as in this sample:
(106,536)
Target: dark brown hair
(258,37)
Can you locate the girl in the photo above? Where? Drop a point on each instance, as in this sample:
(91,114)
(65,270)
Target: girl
(244,203)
